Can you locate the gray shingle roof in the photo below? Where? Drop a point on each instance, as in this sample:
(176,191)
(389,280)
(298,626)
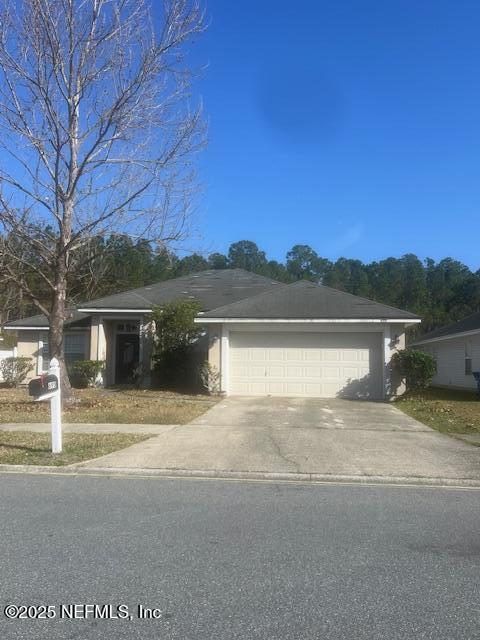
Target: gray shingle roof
(212,288)
(304,300)
(470,323)
(42,321)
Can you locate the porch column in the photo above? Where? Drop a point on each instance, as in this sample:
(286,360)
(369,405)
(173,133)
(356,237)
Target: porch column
(224,359)
(98,344)
(145,352)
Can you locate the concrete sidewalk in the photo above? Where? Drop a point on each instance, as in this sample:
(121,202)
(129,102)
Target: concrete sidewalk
(83,427)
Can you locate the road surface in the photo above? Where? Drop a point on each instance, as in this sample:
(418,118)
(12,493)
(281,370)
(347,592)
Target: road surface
(228,560)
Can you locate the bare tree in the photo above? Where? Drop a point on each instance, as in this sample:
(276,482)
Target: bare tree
(97,133)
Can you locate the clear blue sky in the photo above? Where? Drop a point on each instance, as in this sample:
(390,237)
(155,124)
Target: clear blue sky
(349,125)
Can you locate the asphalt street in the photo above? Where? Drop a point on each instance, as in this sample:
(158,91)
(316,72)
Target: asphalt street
(226,560)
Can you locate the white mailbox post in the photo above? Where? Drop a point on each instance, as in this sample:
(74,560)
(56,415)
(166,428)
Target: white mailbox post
(47,387)
(56,409)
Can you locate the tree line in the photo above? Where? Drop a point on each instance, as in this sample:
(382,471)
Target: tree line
(441,292)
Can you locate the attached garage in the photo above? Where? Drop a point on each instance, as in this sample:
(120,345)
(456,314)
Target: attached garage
(305,339)
(306,364)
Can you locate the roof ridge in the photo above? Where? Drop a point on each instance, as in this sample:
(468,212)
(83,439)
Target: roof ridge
(136,290)
(233,306)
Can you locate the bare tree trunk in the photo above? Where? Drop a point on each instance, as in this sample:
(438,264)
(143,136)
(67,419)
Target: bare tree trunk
(57,319)
(98,134)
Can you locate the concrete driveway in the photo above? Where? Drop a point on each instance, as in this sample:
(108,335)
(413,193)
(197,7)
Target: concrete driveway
(303,435)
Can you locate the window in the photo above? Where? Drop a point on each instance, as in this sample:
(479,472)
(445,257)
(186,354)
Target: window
(468,358)
(75,347)
(128,327)
(43,354)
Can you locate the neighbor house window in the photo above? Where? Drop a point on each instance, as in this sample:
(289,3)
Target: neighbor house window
(468,358)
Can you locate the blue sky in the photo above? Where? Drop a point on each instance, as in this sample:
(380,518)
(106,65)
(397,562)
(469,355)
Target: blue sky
(352,126)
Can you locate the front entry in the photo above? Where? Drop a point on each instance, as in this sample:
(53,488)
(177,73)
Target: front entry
(127,355)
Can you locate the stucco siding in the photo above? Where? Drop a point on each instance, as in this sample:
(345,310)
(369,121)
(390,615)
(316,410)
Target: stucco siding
(27,347)
(397,343)
(214,333)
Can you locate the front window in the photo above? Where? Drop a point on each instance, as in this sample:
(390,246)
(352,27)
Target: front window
(75,347)
(468,358)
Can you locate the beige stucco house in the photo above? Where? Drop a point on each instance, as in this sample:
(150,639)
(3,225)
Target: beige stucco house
(264,337)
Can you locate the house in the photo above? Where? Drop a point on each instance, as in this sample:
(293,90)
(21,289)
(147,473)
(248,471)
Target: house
(456,349)
(264,337)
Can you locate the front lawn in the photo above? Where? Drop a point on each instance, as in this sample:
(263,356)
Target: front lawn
(446,410)
(121,406)
(25,447)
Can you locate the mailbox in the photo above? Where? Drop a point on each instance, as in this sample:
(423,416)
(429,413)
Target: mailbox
(47,383)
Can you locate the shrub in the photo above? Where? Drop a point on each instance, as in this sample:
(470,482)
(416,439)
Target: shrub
(174,339)
(85,372)
(15,370)
(417,367)
(209,377)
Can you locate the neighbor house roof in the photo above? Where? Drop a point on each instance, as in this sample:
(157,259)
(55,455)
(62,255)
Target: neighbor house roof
(212,288)
(41,322)
(307,300)
(468,324)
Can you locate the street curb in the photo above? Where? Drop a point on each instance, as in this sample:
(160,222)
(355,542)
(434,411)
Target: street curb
(320,478)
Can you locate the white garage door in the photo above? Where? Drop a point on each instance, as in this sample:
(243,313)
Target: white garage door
(325,365)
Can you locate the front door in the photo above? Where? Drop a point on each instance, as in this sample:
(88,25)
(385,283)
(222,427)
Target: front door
(126,357)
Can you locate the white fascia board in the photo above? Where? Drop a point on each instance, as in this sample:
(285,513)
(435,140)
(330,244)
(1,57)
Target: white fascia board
(200,320)
(44,328)
(106,310)
(450,336)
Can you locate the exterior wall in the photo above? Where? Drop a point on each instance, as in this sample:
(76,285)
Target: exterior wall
(27,347)
(393,340)
(214,341)
(397,343)
(450,356)
(30,345)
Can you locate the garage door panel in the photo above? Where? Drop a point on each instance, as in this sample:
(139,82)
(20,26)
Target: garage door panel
(312,372)
(293,354)
(306,364)
(293,388)
(294,372)
(313,355)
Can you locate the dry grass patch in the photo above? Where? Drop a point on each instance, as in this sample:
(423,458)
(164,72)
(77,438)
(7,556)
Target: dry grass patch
(119,406)
(25,447)
(447,411)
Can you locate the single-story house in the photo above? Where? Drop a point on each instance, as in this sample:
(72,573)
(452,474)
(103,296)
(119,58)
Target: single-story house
(264,337)
(456,349)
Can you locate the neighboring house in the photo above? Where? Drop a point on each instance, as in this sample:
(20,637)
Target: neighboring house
(264,337)
(456,349)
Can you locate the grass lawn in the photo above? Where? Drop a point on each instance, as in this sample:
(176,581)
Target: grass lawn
(447,411)
(123,406)
(24,447)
